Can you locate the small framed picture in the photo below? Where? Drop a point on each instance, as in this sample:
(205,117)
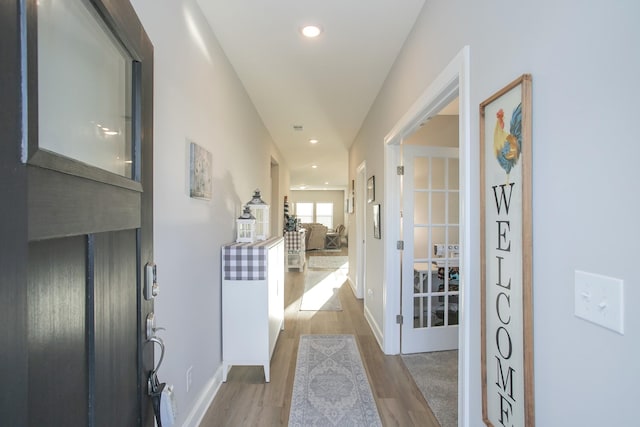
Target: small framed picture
(200,172)
(371,189)
(376,221)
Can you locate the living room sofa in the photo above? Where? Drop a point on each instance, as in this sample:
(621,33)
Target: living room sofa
(315,235)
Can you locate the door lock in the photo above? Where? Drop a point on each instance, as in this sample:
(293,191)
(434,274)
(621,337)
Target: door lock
(151,288)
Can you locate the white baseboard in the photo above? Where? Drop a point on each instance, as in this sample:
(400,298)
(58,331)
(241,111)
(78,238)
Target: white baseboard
(377,332)
(197,413)
(352,285)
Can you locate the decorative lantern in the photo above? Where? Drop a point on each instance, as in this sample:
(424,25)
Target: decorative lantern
(246,227)
(260,210)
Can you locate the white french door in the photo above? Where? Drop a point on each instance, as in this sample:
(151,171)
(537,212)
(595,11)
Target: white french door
(430,268)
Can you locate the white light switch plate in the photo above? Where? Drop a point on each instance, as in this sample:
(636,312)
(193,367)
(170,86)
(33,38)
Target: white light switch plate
(600,299)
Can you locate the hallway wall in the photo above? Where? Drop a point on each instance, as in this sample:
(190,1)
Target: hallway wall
(198,97)
(583,57)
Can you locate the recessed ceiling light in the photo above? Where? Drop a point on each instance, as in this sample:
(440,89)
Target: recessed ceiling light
(311,31)
(313,141)
(315,166)
(326,183)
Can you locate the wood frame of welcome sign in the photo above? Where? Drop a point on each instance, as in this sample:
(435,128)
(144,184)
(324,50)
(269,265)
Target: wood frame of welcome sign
(506,256)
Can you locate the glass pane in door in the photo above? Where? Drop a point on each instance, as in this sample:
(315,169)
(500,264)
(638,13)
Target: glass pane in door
(438,173)
(421,173)
(453,208)
(421,251)
(438,205)
(421,318)
(84,87)
(421,207)
(453,174)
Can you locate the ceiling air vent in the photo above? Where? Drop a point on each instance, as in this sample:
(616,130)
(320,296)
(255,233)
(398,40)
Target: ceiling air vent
(297,128)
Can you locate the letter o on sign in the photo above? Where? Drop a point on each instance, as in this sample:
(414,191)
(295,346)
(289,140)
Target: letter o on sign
(503,339)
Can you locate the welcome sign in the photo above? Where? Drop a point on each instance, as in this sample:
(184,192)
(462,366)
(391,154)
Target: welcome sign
(506,247)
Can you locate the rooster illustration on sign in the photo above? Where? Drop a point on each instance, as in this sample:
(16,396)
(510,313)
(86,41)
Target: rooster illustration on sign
(508,145)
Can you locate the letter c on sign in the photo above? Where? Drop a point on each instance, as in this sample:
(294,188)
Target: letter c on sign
(508,298)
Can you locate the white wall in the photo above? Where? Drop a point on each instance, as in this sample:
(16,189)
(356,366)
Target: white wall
(198,97)
(584,58)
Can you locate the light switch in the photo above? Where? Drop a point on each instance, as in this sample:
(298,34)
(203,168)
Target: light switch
(600,299)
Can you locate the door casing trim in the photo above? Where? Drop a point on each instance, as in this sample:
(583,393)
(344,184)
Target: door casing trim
(359,241)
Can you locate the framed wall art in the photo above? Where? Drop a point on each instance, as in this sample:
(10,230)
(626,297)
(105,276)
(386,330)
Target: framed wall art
(376,221)
(199,172)
(352,198)
(371,189)
(506,256)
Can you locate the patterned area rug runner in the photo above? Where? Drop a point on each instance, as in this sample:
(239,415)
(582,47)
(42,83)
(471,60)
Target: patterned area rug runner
(329,262)
(330,386)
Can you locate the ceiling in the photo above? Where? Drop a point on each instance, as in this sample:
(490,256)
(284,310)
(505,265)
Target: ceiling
(324,85)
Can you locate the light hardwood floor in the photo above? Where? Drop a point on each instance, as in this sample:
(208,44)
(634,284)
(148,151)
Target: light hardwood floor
(245,399)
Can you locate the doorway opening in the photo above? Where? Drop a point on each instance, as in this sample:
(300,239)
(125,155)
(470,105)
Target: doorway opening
(450,84)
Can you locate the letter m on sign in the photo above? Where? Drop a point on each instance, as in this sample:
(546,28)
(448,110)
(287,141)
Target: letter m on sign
(506,384)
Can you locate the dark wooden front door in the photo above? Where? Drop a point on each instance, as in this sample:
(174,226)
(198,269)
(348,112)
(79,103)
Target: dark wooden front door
(76,238)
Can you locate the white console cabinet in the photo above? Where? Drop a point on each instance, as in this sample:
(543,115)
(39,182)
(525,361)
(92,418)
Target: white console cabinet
(252,302)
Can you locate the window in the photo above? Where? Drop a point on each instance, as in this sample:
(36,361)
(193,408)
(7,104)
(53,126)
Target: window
(79,54)
(304,212)
(323,213)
